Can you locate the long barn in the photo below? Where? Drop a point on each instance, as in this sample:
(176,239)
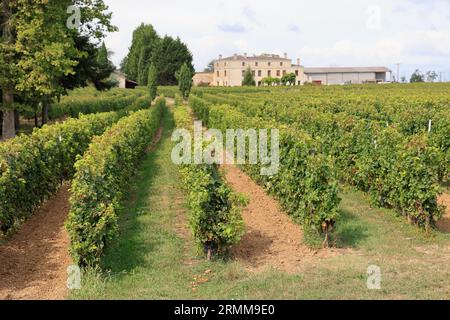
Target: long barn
(330,76)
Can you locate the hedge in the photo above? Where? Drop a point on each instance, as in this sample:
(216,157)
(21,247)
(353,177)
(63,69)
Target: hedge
(72,106)
(395,159)
(306,183)
(102,176)
(215,218)
(32,167)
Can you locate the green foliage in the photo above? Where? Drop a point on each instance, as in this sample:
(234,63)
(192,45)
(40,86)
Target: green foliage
(114,101)
(378,136)
(33,166)
(270,81)
(102,176)
(248,80)
(136,64)
(38,50)
(209,67)
(168,91)
(417,76)
(166,54)
(169,57)
(152,81)
(215,218)
(288,79)
(306,183)
(184,77)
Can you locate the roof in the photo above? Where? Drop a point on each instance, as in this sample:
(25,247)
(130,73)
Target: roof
(123,75)
(347,70)
(260,57)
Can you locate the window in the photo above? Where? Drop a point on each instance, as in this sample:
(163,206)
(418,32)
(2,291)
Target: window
(218,73)
(243,64)
(259,73)
(296,73)
(278,73)
(243,72)
(269,63)
(253,73)
(225,73)
(281,64)
(256,63)
(218,84)
(284,72)
(217,64)
(269,73)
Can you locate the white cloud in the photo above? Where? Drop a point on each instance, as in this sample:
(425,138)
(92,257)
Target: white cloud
(321,32)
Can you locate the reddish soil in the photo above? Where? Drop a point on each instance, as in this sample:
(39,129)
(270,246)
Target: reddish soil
(33,263)
(272,239)
(444,223)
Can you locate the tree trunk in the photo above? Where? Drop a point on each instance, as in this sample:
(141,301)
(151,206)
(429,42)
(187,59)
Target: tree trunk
(17,121)
(36,122)
(1,122)
(45,108)
(8,129)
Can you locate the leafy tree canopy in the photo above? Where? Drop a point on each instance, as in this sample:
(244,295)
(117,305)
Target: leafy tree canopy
(249,80)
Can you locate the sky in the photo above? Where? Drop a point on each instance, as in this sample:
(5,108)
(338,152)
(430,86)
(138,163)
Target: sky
(322,33)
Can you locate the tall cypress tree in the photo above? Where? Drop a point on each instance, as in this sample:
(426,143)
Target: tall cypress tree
(184,77)
(152,81)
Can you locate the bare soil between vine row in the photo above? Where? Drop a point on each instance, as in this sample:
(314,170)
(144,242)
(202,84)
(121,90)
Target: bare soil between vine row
(272,239)
(33,263)
(444,223)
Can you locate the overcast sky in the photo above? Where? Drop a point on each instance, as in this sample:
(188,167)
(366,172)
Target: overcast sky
(415,33)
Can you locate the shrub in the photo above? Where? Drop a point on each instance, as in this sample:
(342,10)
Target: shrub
(215,218)
(102,175)
(32,167)
(72,106)
(306,183)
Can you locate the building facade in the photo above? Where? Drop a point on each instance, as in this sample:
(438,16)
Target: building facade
(122,80)
(334,76)
(229,72)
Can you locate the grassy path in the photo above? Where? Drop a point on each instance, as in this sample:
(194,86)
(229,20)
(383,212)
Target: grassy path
(155,258)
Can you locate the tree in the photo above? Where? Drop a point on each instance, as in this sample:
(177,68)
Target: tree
(270,81)
(184,77)
(248,80)
(144,43)
(152,81)
(38,48)
(431,76)
(166,54)
(209,67)
(8,68)
(289,79)
(169,57)
(417,76)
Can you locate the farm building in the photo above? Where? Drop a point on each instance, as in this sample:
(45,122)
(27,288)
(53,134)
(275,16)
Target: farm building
(124,83)
(330,76)
(203,78)
(229,72)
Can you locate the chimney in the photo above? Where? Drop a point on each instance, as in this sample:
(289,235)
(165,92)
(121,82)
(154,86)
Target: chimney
(245,55)
(220,57)
(298,61)
(235,56)
(285,55)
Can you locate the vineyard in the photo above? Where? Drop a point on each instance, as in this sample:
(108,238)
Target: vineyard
(363,180)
